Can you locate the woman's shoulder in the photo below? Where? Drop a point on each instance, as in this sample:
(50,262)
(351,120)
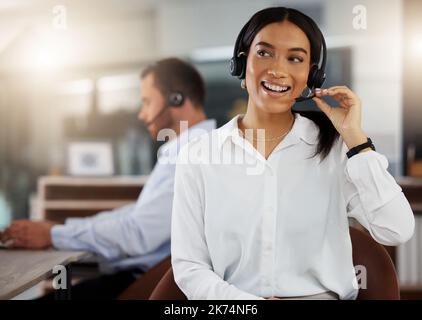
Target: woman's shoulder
(197,149)
(202,146)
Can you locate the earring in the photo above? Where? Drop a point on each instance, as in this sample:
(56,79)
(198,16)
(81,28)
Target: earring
(243,84)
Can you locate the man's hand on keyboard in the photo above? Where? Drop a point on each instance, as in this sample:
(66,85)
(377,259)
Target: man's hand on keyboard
(28,234)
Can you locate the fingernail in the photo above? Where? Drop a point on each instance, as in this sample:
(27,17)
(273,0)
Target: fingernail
(317,90)
(325,91)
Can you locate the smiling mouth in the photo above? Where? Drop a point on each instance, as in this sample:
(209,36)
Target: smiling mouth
(274,88)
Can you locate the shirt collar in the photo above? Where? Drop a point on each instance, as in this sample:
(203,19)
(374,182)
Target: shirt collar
(303,129)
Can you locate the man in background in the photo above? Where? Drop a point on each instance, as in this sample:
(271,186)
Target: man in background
(132,239)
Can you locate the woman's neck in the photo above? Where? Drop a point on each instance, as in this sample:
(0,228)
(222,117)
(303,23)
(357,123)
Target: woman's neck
(274,124)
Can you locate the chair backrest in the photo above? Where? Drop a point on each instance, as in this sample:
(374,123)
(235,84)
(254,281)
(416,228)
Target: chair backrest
(141,289)
(381,278)
(167,289)
(376,266)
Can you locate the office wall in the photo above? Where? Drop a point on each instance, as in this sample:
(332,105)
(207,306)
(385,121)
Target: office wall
(412,77)
(83,45)
(183,26)
(376,67)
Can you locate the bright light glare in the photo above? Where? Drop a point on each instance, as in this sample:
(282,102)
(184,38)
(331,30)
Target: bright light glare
(416,46)
(82,86)
(118,82)
(47,50)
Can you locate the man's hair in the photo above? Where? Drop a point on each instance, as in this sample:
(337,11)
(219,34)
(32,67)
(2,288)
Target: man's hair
(175,75)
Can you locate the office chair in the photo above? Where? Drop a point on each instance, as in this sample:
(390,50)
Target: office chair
(142,288)
(381,282)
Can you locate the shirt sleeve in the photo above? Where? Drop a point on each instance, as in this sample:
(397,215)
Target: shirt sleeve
(374,198)
(130,231)
(192,265)
(102,215)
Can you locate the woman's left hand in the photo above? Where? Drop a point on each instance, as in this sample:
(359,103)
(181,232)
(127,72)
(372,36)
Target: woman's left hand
(346,117)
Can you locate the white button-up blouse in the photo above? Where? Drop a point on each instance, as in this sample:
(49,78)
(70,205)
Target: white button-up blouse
(244,227)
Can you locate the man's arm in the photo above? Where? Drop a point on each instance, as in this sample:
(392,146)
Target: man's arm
(103,215)
(37,234)
(130,230)
(138,232)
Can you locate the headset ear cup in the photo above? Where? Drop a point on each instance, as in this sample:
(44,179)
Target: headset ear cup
(242,67)
(176,99)
(312,76)
(233,67)
(237,67)
(319,79)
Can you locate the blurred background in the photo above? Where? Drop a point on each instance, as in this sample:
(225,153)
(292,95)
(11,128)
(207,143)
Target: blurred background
(69,72)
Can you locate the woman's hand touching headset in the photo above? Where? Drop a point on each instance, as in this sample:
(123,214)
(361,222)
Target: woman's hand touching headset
(346,117)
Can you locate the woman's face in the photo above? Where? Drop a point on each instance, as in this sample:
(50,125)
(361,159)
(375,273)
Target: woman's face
(278,65)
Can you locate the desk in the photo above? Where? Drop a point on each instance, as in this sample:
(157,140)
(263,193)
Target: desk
(22,269)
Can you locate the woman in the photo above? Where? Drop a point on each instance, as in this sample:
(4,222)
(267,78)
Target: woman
(275,224)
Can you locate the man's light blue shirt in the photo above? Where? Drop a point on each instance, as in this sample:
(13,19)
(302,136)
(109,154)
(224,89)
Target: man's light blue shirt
(136,235)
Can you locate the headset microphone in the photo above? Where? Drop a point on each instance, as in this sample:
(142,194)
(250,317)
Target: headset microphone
(147,124)
(310,94)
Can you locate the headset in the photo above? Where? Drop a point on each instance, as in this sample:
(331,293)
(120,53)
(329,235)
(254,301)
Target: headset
(316,76)
(174,100)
